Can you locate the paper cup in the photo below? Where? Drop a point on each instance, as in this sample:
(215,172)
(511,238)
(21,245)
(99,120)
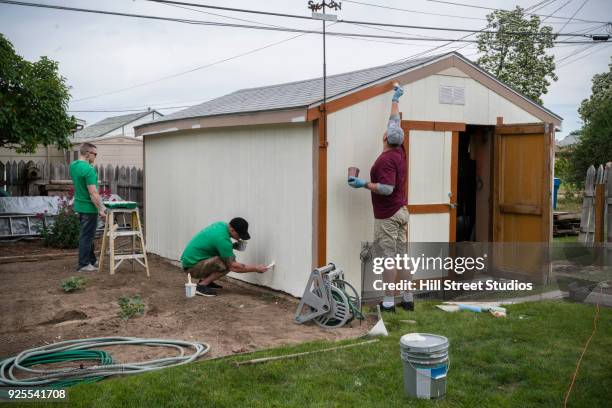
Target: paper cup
(190,289)
(353,172)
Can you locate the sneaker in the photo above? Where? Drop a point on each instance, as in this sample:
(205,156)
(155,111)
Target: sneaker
(409,306)
(205,290)
(214,285)
(387,309)
(87,268)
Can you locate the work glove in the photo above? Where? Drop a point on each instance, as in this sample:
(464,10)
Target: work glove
(357,182)
(397,94)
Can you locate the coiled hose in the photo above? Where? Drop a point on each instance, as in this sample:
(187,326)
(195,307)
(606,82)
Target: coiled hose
(78,350)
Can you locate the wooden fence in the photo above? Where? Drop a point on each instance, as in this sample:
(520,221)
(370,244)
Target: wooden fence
(18,177)
(596,214)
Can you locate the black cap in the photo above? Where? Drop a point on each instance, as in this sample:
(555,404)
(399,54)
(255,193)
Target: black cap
(241,226)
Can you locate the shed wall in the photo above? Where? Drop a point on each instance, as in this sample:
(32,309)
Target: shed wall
(262,173)
(355,139)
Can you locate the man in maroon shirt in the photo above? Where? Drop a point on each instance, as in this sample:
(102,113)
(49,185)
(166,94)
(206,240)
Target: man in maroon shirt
(388,188)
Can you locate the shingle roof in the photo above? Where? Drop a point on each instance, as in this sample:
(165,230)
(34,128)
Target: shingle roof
(108,125)
(292,94)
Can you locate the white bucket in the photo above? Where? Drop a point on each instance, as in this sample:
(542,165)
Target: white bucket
(190,289)
(426,364)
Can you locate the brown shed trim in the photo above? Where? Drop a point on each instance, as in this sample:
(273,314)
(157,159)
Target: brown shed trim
(428,208)
(322,191)
(452,232)
(378,89)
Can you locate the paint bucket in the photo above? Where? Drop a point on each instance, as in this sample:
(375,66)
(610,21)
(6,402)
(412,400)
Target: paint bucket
(190,289)
(425,358)
(353,172)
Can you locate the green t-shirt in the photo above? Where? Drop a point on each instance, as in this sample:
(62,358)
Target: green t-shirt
(83,174)
(214,240)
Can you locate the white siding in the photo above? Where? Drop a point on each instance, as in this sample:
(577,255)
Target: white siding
(429,167)
(482,105)
(355,139)
(263,174)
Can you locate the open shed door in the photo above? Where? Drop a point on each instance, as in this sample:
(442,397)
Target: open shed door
(521,200)
(432,154)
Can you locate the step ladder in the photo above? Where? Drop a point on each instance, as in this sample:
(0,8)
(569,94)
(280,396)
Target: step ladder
(112,232)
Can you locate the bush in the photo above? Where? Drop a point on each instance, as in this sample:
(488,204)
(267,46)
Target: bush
(73,283)
(129,307)
(64,232)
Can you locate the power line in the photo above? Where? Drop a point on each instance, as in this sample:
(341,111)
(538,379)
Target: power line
(573,15)
(491,8)
(582,57)
(555,12)
(294,30)
(340,20)
(413,11)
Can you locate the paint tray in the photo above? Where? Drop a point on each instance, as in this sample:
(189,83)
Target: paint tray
(120,204)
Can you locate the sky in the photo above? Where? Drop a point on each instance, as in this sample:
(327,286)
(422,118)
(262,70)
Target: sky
(101,55)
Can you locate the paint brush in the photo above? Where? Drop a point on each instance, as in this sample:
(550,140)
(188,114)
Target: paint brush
(189,278)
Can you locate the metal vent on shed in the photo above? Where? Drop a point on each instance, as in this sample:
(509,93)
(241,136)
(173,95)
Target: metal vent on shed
(452,95)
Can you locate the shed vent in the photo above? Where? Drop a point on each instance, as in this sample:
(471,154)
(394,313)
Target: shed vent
(452,95)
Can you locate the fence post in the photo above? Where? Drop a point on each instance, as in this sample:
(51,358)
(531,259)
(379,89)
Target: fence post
(586,217)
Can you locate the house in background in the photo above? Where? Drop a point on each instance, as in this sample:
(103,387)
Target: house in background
(567,142)
(115,139)
(480,167)
(42,155)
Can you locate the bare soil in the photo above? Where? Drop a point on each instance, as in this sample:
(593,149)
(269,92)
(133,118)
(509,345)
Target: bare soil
(34,310)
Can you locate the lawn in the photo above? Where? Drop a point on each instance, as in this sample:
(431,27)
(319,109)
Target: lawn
(524,360)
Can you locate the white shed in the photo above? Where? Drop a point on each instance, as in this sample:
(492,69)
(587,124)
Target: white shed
(479,165)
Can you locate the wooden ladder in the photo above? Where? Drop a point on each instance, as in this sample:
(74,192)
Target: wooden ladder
(111,233)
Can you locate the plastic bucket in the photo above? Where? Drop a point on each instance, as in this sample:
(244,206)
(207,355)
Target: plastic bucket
(190,289)
(425,359)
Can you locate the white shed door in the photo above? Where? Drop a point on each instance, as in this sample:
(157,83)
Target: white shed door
(432,153)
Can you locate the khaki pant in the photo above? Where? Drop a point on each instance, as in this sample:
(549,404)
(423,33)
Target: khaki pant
(206,267)
(391,234)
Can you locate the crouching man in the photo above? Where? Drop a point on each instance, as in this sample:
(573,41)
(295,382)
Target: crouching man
(210,254)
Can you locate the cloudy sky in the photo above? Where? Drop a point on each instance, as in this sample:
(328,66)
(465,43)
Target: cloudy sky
(102,55)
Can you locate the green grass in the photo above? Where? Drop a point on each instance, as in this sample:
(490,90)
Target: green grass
(525,360)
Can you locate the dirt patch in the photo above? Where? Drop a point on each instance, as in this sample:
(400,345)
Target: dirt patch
(35,311)
(29,246)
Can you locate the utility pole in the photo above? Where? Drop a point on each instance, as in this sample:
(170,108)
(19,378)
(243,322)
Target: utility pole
(314,7)
(321,257)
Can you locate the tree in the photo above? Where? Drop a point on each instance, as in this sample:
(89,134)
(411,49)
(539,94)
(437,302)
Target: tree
(516,52)
(33,103)
(595,144)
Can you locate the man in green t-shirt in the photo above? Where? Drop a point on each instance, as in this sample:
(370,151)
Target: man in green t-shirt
(88,203)
(210,254)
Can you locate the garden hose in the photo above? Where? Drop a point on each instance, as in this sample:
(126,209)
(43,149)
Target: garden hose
(79,350)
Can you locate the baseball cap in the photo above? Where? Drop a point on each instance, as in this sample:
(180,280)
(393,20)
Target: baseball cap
(395,133)
(241,226)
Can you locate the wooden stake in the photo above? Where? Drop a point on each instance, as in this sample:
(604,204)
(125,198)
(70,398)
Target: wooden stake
(266,359)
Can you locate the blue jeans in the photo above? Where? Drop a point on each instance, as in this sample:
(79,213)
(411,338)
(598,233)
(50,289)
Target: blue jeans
(87,254)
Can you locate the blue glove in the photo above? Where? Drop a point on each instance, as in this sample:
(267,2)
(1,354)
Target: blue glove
(357,182)
(397,94)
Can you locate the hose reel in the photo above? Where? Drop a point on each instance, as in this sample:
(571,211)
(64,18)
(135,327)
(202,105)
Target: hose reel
(328,299)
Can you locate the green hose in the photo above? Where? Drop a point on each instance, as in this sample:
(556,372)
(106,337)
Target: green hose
(80,350)
(70,355)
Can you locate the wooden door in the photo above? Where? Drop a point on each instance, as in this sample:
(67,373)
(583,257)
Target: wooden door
(521,199)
